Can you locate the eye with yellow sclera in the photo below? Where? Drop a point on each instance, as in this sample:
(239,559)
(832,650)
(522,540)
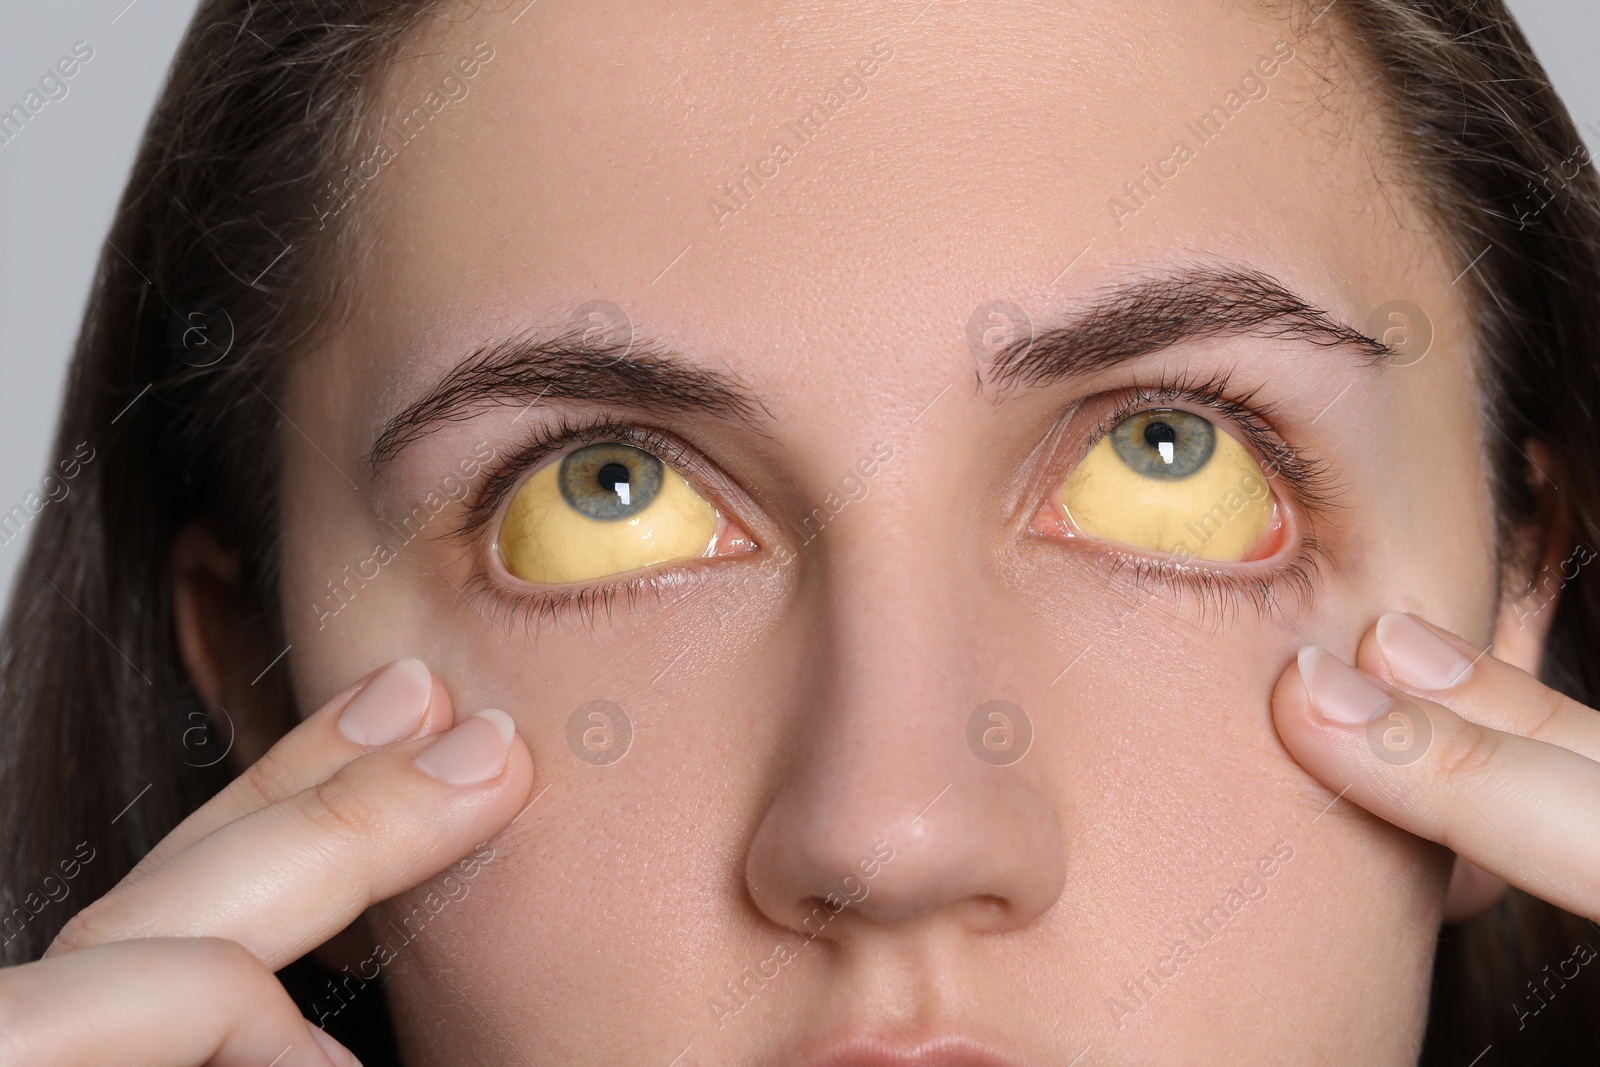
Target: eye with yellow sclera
(604,510)
(1168,481)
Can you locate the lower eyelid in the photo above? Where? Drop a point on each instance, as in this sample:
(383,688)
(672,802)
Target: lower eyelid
(1268,586)
(537,607)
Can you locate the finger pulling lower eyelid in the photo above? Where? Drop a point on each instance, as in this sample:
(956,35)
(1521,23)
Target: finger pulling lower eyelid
(1418,657)
(390,706)
(474,751)
(1338,691)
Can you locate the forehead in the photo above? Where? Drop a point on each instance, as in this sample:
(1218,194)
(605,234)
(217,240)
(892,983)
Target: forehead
(831,182)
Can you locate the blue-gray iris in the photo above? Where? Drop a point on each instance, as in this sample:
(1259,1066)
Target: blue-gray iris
(1165,443)
(609,481)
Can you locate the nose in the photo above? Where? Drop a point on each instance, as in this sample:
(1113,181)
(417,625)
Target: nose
(890,815)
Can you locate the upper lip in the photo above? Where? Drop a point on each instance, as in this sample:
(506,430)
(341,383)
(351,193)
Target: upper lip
(872,1051)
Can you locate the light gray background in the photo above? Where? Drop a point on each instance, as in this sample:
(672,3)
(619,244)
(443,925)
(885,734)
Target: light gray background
(61,178)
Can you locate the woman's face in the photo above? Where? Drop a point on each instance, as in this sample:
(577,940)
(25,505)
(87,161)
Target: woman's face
(817,836)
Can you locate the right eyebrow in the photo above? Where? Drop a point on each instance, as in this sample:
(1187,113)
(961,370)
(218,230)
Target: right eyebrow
(528,368)
(1151,314)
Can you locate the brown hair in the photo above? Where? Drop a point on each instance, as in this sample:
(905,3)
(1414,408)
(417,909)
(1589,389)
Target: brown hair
(1486,136)
(218,244)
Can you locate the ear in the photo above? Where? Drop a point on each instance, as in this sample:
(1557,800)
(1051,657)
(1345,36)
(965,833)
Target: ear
(221,642)
(1522,628)
(1527,610)
(1528,600)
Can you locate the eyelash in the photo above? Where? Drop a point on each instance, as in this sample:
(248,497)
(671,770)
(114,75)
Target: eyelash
(1216,591)
(1313,493)
(537,607)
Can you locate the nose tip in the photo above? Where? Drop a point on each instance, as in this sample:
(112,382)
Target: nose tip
(977,851)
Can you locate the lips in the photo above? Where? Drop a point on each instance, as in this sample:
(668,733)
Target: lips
(873,1051)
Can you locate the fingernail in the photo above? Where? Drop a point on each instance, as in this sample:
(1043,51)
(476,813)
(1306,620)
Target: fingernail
(1337,690)
(390,706)
(341,1056)
(474,751)
(1417,656)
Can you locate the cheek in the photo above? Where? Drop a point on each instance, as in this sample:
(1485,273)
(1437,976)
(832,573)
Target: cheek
(619,891)
(1161,734)
(1418,534)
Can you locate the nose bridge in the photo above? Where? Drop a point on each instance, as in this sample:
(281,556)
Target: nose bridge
(888,810)
(885,748)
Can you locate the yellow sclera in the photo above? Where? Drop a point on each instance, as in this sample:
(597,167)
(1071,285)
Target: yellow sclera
(1218,513)
(544,540)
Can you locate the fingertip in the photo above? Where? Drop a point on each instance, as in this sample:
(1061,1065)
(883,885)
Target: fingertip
(1409,652)
(1291,702)
(501,722)
(391,707)
(1305,661)
(467,755)
(1472,891)
(414,673)
(337,1054)
(441,713)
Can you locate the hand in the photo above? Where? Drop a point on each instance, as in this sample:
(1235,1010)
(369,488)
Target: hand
(1457,747)
(358,803)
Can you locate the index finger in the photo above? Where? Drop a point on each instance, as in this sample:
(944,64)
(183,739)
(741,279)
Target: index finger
(398,702)
(1519,808)
(1421,658)
(285,878)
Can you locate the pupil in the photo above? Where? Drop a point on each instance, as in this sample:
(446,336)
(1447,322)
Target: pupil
(1159,433)
(612,475)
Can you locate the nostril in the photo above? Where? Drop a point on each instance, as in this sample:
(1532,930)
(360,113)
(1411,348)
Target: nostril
(992,912)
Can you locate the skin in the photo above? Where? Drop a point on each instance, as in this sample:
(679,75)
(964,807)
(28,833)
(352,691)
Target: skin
(791,721)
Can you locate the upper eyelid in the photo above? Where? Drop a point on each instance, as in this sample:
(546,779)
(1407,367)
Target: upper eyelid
(1256,438)
(1251,416)
(1212,394)
(533,455)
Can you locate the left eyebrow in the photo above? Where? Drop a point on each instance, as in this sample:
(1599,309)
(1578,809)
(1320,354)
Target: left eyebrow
(1151,314)
(642,376)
